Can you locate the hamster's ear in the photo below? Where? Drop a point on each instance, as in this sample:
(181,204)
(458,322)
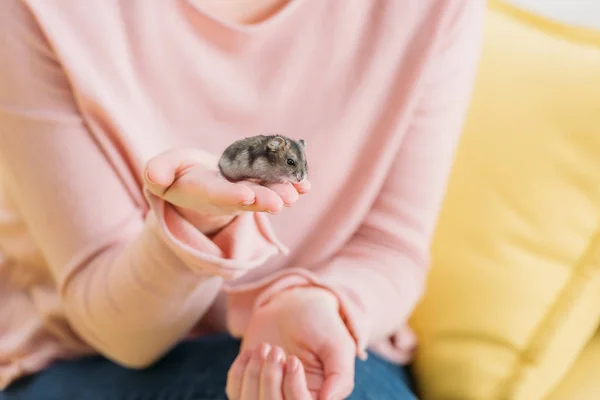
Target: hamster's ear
(275,143)
(302,142)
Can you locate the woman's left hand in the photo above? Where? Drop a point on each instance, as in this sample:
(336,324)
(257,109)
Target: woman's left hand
(305,323)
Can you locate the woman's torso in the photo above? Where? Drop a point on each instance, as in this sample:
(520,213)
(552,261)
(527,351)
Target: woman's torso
(344,76)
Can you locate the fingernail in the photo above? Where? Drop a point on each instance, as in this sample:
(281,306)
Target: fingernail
(282,360)
(363,355)
(271,212)
(264,351)
(276,355)
(148,177)
(247,202)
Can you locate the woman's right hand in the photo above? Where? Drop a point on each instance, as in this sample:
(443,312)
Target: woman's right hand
(190,180)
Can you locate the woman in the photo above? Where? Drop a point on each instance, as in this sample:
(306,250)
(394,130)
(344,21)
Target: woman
(120,241)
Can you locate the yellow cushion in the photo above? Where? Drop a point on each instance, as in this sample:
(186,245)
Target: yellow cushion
(581,382)
(514,291)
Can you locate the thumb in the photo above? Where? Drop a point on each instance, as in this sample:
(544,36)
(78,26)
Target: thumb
(338,359)
(162,170)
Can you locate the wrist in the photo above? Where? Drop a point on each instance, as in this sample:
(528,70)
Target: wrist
(304,294)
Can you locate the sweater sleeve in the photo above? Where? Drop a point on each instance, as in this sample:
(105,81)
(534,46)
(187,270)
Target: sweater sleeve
(132,279)
(379,274)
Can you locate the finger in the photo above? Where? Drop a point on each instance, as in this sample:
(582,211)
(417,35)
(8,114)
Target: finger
(271,376)
(161,170)
(294,381)
(251,384)
(266,200)
(302,187)
(199,186)
(287,192)
(221,192)
(338,365)
(163,173)
(235,375)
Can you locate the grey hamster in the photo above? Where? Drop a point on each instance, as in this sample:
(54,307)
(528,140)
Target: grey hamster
(266,159)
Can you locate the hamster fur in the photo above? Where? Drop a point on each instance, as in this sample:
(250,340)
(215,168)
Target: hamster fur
(266,159)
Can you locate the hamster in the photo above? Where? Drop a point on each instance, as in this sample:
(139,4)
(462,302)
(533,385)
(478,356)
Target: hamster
(265,159)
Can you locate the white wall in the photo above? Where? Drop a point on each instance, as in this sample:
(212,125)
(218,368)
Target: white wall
(579,12)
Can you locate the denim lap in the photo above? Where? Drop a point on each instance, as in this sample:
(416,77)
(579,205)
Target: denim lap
(193,370)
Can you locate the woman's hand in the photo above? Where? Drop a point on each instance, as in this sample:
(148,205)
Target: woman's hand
(190,180)
(264,373)
(305,322)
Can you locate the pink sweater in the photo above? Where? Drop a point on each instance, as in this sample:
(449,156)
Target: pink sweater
(91,90)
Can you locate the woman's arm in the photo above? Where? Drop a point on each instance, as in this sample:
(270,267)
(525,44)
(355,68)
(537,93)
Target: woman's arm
(379,275)
(132,283)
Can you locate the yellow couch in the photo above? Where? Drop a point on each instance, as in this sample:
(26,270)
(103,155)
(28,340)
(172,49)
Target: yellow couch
(513,297)
(581,381)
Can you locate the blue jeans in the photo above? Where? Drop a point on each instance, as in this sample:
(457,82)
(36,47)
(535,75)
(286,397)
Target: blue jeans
(195,369)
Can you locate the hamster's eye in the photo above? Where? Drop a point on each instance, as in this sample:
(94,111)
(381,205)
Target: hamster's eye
(291,162)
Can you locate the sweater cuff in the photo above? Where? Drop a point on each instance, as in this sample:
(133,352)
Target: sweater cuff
(246,243)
